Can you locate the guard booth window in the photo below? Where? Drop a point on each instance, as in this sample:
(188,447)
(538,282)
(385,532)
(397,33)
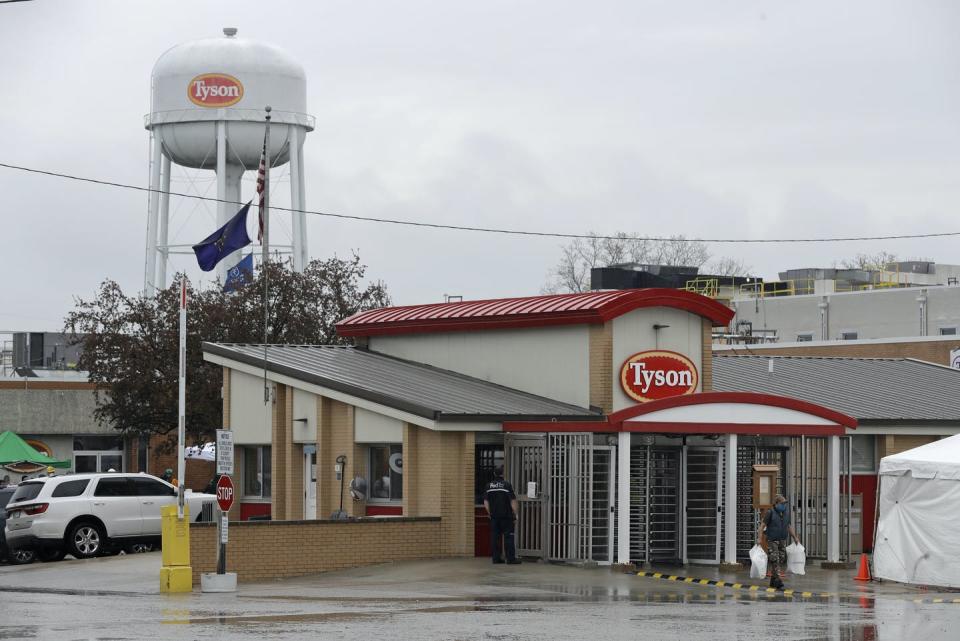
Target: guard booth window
(257,472)
(386,473)
(488,458)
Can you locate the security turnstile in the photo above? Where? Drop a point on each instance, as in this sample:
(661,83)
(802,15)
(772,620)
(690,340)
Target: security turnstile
(569,512)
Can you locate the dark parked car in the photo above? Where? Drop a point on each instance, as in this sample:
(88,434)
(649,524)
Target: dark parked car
(16,557)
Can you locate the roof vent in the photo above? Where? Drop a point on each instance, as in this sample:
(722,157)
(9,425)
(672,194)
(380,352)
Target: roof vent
(229,31)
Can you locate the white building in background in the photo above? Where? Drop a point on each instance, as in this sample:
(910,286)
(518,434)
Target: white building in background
(910,299)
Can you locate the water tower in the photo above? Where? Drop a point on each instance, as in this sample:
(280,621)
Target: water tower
(207,101)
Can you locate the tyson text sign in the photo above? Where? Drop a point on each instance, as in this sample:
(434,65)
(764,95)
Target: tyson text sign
(656,374)
(215,90)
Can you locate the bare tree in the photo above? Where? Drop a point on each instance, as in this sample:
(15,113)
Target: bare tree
(727,266)
(577,258)
(876,261)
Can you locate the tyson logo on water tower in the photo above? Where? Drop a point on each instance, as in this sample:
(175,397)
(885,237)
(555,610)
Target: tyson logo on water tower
(656,374)
(215,90)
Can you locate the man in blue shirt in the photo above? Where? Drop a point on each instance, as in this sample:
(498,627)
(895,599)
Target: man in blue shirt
(501,504)
(776,524)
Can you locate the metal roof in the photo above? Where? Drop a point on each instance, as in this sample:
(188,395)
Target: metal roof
(869,389)
(530,311)
(412,387)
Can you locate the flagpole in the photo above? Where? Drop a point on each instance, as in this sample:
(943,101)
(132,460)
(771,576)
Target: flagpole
(266,252)
(182,398)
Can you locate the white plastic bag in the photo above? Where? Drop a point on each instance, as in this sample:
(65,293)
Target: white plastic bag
(796,558)
(758,562)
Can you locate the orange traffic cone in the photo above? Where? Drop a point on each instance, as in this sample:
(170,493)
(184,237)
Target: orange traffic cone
(864,573)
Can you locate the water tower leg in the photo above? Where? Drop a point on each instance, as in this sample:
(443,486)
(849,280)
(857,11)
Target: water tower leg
(232,174)
(221,173)
(153,208)
(222,215)
(304,254)
(296,171)
(161,279)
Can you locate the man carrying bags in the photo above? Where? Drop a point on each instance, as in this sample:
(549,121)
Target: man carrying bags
(776,525)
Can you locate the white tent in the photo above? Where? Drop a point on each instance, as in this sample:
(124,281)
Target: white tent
(918,533)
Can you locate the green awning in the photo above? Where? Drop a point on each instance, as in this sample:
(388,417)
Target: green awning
(14,449)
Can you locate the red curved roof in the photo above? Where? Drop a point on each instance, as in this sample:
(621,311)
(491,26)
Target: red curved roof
(753,398)
(530,311)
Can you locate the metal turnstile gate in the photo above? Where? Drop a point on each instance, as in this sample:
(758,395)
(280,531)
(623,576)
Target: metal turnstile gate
(664,506)
(704,484)
(571,515)
(525,458)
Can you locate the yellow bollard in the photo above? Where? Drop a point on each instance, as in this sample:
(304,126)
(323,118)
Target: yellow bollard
(176,575)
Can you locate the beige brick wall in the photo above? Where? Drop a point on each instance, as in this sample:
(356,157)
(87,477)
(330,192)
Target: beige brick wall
(932,351)
(601,366)
(287,460)
(335,437)
(263,550)
(896,443)
(278,459)
(226,398)
(438,471)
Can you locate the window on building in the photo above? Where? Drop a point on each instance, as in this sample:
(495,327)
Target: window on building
(948,331)
(257,471)
(848,336)
(864,453)
(805,337)
(386,472)
(93,453)
(142,453)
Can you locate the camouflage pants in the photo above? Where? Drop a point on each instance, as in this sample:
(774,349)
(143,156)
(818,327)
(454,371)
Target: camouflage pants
(776,557)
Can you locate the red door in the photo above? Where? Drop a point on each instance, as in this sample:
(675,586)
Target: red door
(481,532)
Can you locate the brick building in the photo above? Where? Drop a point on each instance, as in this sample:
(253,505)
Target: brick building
(601,406)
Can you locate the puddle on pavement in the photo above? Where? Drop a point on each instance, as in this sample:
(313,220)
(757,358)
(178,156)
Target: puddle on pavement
(339,617)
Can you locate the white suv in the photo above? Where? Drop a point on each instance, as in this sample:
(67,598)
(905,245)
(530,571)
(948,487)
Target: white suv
(81,514)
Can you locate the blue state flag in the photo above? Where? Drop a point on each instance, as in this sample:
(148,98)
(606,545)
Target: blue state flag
(221,243)
(239,275)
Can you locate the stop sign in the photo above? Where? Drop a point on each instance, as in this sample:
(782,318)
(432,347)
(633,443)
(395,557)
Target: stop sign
(225,493)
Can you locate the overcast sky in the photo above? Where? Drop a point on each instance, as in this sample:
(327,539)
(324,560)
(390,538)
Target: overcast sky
(714,119)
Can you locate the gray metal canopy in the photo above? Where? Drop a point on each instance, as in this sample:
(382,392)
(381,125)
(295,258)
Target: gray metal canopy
(412,387)
(869,389)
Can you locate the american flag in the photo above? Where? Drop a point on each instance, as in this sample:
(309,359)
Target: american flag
(261,179)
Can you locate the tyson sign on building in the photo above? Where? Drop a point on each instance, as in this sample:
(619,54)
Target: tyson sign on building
(652,375)
(215,90)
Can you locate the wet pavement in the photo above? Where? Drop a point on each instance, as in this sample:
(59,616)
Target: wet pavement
(118,598)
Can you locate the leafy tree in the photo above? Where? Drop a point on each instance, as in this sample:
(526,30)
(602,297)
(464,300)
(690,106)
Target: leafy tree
(130,342)
(572,272)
